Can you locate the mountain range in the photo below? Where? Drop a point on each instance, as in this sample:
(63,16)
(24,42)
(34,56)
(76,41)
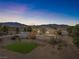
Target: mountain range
(12,24)
(16,24)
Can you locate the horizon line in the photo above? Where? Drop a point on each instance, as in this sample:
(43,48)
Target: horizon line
(38,24)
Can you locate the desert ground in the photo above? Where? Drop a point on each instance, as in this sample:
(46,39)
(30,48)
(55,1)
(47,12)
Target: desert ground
(43,51)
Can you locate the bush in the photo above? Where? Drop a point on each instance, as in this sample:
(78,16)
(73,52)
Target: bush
(29,29)
(60,46)
(15,38)
(60,43)
(32,35)
(54,41)
(76,35)
(76,41)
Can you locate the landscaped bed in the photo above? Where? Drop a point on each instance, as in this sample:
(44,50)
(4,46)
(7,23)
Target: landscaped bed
(21,47)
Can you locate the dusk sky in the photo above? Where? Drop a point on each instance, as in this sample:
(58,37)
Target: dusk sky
(36,12)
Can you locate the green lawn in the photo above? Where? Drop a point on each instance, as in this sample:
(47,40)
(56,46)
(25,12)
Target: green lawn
(21,47)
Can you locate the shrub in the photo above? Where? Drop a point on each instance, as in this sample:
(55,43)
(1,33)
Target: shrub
(60,46)
(32,35)
(15,38)
(76,35)
(60,43)
(29,29)
(76,41)
(54,41)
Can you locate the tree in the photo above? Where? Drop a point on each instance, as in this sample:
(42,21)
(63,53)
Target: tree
(25,29)
(17,30)
(29,29)
(4,29)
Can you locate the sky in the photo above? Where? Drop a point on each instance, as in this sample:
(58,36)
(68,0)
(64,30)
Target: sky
(36,12)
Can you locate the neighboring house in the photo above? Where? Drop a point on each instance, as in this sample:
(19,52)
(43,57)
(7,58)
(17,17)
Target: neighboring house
(11,31)
(39,31)
(64,32)
(51,32)
(48,31)
(23,35)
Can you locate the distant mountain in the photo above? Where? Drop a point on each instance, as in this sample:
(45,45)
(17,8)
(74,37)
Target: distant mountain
(16,24)
(53,26)
(13,24)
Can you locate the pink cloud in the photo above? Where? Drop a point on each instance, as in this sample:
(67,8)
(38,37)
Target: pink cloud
(14,8)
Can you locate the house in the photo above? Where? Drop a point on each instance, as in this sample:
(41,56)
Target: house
(47,31)
(23,35)
(11,31)
(51,32)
